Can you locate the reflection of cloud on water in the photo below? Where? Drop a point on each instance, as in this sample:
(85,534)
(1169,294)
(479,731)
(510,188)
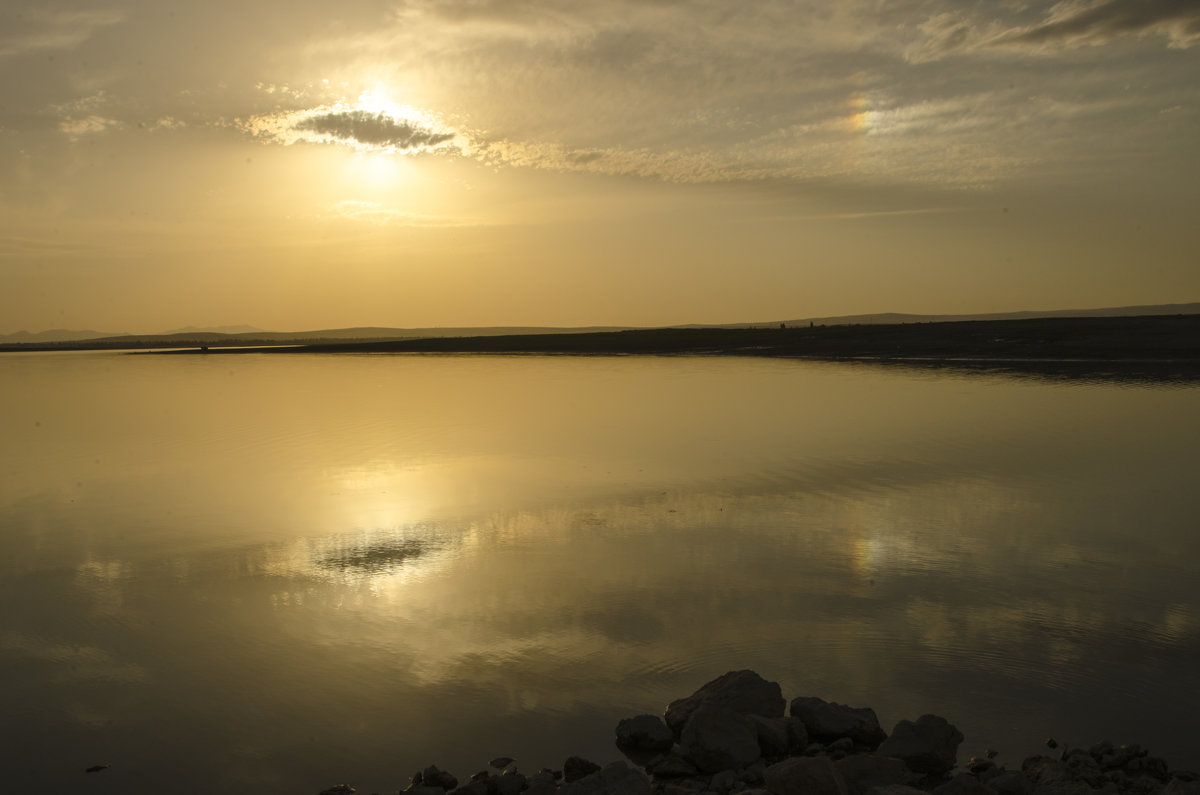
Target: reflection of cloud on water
(70,663)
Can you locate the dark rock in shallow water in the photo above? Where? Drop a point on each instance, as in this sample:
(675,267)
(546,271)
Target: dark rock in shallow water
(863,772)
(340,789)
(644,733)
(805,775)
(743,692)
(509,783)
(716,739)
(963,784)
(829,721)
(542,783)
(1181,786)
(779,737)
(671,766)
(501,762)
(433,776)
(576,767)
(616,778)
(1011,783)
(927,745)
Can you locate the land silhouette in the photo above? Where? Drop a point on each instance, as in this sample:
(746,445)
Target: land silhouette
(1148,338)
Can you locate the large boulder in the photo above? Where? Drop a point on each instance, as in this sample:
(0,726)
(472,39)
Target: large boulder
(716,738)
(743,692)
(863,772)
(928,745)
(962,784)
(616,778)
(805,775)
(778,737)
(671,766)
(644,733)
(829,721)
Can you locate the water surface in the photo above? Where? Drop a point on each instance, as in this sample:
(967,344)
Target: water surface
(273,574)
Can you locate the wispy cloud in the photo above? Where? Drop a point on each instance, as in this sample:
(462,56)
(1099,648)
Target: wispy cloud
(33,247)
(1073,24)
(382,215)
(37,30)
(1064,26)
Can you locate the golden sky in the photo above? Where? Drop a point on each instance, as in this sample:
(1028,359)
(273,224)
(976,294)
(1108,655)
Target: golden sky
(413,163)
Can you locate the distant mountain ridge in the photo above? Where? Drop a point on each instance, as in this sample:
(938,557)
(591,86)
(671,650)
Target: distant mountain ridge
(254,335)
(56,335)
(899,317)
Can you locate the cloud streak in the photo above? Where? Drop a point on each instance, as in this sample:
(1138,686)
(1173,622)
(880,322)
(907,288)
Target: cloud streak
(1073,24)
(1065,26)
(372,129)
(38,31)
(403,131)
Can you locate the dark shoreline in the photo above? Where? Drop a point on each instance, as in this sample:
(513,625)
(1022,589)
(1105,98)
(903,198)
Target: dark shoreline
(1167,340)
(737,735)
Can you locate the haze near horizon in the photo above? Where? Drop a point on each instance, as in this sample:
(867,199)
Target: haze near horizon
(423,163)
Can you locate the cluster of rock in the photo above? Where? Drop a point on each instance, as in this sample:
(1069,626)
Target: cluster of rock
(732,736)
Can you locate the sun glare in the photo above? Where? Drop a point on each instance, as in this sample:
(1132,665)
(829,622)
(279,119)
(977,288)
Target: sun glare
(374,167)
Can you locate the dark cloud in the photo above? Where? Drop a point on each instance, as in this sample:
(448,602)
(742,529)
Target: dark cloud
(583,158)
(1114,18)
(374,129)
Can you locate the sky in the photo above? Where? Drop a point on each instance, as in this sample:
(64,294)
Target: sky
(416,163)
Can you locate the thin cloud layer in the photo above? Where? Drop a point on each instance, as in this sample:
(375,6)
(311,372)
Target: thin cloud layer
(36,30)
(1064,26)
(1073,24)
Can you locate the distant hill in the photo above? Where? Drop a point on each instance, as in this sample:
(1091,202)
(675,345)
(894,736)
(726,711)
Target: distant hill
(215,330)
(240,336)
(896,317)
(54,335)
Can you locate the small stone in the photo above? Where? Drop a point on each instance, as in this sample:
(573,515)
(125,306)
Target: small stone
(863,772)
(338,789)
(616,778)
(542,783)
(844,746)
(1051,742)
(576,767)
(501,762)
(723,781)
(805,775)
(433,776)
(977,765)
(510,783)
(670,766)
(962,784)
(1010,783)
(1182,786)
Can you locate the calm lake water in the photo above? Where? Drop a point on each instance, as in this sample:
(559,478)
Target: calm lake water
(272,574)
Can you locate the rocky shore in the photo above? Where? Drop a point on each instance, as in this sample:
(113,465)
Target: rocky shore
(733,736)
